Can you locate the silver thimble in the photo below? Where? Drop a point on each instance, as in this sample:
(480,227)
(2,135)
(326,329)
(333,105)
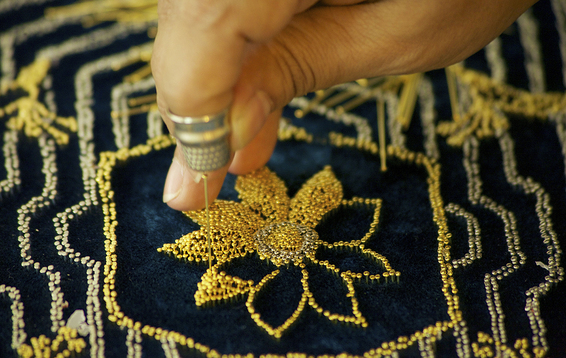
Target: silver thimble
(204,140)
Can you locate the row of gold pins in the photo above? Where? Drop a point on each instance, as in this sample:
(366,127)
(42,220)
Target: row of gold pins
(324,95)
(370,90)
(138,105)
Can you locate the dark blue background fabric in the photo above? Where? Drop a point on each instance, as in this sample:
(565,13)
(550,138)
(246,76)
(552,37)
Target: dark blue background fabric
(158,290)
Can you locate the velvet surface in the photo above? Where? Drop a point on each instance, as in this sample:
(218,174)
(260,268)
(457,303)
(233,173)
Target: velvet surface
(42,285)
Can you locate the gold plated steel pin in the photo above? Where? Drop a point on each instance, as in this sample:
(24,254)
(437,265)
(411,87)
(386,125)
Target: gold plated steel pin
(453,93)
(205,182)
(381,132)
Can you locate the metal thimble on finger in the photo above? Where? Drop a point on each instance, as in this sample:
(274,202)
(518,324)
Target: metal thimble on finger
(204,140)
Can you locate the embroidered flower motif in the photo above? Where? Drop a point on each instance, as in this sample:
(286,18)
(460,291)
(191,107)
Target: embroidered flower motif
(282,231)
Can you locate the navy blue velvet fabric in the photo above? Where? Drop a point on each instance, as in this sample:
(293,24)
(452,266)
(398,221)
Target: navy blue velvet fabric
(158,290)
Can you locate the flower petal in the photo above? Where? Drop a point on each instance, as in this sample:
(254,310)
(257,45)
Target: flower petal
(283,294)
(264,193)
(319,195)
(321,274)
(357,263)
(232,277)
(225,244)
(354,222)
(218,286)
(228,215)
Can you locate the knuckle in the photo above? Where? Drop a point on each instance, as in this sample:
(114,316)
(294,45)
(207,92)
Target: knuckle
(295,64)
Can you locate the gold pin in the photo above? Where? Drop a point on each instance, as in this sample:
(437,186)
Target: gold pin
(205,182)
(136,101)
(373,86)
(408,99)
(339,98)
(381,132)
(319,96)
(371,82)
(138,75)
(357,101)
(453,93)
(133,111)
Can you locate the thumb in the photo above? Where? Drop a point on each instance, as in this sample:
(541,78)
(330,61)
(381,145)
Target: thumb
(184,187)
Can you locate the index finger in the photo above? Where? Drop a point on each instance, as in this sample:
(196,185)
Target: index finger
(200,47)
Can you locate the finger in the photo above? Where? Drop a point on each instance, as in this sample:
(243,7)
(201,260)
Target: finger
(367,40)
(258,151)
(248,114)
(259,21)
(327,45)
(200,47)
(184,188)
(162,107)
(342,2)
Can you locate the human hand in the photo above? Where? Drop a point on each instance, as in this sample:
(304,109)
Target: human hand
(254,56)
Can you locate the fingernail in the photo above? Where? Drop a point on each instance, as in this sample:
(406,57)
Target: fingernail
(174,181)
(254,113)
(264,102)
(197,176)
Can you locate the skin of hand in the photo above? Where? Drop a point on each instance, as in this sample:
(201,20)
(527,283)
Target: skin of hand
(254,56)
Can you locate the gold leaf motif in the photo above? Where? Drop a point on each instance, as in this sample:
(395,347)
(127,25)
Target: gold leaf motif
(226,215)
(217,286)
(265,193)
(275,331)
(318,196)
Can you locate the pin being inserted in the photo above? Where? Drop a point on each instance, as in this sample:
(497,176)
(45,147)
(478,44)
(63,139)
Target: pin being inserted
(204,140)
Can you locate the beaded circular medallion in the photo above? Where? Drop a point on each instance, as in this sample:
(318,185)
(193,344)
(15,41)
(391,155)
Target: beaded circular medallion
(284,242)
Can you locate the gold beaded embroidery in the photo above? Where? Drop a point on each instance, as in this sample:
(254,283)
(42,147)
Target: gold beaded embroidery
(424,339)
(486,347)
(489,102)
(280,230)
(31,115)
(287,131)
(233,286)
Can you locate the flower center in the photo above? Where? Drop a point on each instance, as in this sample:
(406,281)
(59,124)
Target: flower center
(285,238)
(284,242)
